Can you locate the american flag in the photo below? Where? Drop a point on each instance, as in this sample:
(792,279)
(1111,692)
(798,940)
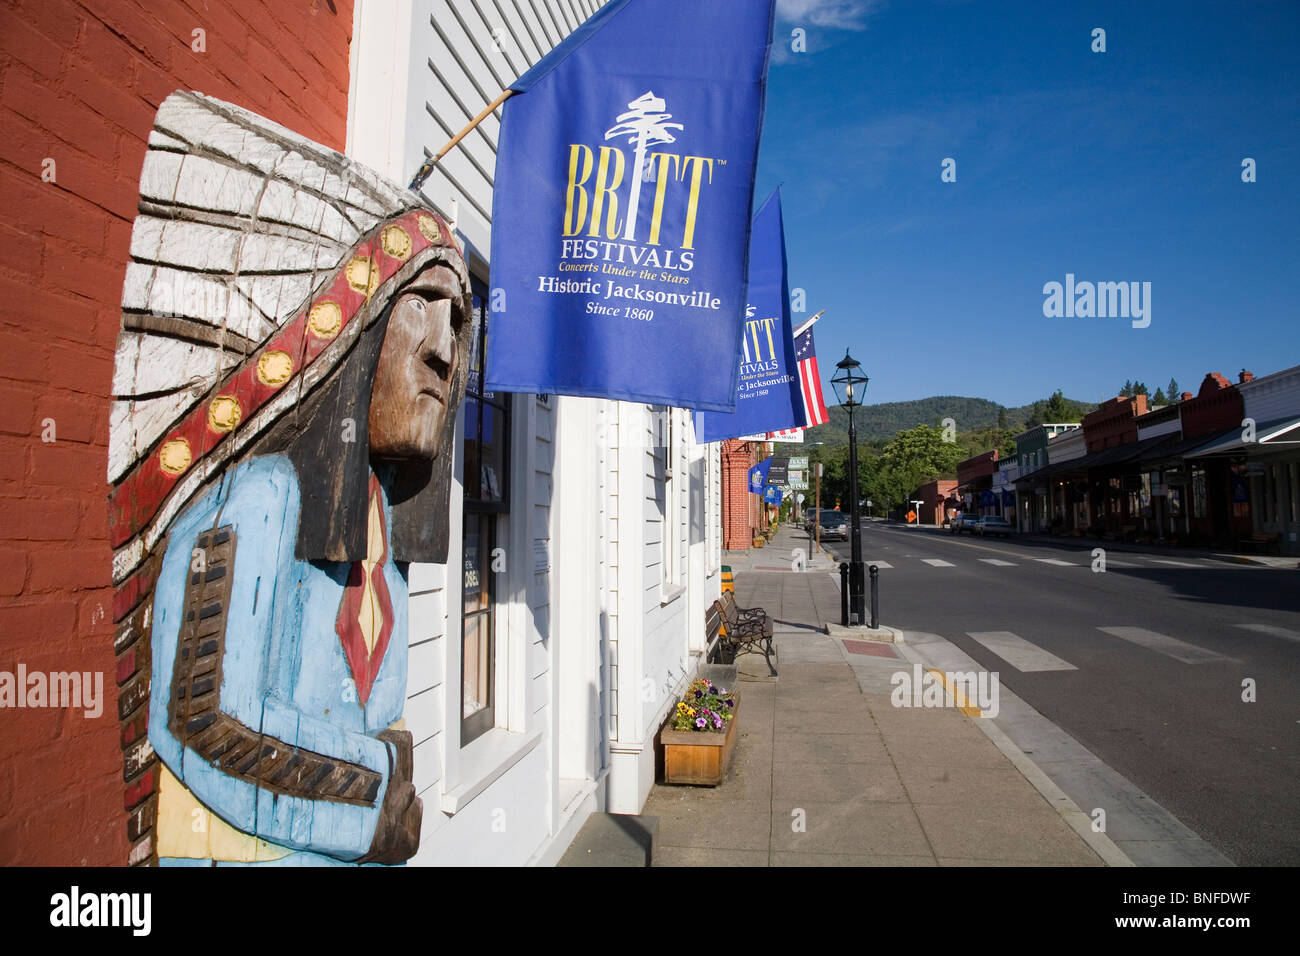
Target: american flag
(810,378)
(810,381)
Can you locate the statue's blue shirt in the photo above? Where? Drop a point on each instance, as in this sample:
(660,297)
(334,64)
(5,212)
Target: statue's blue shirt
(284,671)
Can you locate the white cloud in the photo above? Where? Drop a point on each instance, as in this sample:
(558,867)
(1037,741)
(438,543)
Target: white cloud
(834,14)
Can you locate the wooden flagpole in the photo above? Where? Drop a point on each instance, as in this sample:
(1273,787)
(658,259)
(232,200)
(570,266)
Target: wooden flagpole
(426,167)
(804,327)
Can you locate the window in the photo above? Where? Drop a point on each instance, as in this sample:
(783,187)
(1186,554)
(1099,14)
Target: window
(1239,490)
(486,505)
(1293,514)
(1198,493)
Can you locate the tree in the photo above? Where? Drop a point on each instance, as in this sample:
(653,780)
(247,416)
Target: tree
(1002,416)
(1159,398)
(1127,390)
(1140,388)
(1058,408)
(1175,394)
(909,459)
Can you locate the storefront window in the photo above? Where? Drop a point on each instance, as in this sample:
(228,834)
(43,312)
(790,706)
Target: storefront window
(1239,490)
(1198,495)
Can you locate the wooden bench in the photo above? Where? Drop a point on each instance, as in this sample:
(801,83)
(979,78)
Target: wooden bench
(713,628)
(1262,540)
(748,631)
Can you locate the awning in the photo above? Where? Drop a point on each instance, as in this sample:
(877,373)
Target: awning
(1047,471)
(1278,433)
(1175,446)
(1098,459)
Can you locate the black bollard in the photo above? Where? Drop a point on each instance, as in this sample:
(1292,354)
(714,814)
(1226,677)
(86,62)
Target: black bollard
(844,593)
(875,596)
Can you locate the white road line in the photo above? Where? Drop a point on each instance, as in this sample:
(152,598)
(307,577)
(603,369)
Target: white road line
(879,564)
(1177,564)
(1019,653)
(998,562)
(1272,630)
(938,563)
(1164,644)
(1058,562)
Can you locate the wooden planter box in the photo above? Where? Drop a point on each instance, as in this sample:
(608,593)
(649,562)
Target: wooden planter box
(694,757)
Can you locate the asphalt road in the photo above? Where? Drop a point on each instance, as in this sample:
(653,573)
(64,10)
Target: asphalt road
(1152,655)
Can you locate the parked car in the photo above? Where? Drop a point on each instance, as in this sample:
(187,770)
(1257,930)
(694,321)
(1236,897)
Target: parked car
(963,523)
(993,525)
(809,519)
(835,524)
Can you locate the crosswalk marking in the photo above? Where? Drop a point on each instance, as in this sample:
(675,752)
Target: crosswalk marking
(879,564)
(999,563)
(1177,564)
(1019,653)
(938,563)
(1164,644)
(1056,561)
(1273,630)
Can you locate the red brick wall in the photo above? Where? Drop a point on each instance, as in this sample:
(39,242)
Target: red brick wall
(1217,405)
(1114,422)
(979,466)
(742,512)
(79,84)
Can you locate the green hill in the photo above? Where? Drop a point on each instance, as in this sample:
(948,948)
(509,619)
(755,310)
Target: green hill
(879,423)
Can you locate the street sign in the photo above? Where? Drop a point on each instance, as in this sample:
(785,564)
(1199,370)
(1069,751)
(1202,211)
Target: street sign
(800,499)
(799,464)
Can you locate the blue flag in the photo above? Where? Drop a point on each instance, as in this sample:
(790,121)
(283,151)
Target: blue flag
(772,495)
(620,211)
(769,396)
(758,476)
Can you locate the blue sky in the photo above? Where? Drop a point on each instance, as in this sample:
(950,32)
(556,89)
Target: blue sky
(1115,166)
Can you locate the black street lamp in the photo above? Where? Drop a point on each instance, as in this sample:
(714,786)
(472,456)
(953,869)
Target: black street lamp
(850,380)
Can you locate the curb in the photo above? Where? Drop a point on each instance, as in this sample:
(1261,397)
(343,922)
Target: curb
(1078,821)
(1069,811)
(881,635)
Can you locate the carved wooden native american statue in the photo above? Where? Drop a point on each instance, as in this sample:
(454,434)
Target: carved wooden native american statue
(293,351)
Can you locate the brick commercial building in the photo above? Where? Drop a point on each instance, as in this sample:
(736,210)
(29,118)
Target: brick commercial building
(79,85)
(744,515)
(933,495)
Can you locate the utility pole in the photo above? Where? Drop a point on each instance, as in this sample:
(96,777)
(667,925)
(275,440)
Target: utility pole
(817,522)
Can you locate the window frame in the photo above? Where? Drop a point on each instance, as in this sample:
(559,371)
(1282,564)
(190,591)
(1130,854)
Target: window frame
(491,516)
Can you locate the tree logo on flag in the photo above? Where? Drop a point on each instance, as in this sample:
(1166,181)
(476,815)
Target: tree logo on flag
(644,124)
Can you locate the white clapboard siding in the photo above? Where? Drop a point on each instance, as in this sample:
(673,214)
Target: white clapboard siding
(422,69)
(465,53)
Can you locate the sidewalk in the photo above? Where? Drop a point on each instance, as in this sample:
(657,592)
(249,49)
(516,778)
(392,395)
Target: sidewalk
(828,773)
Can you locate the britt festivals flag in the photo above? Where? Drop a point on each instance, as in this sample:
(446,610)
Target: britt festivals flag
(620,212)
(768,394)
(758,476)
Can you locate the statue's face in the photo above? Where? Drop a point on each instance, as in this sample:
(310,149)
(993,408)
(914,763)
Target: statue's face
(411,399)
